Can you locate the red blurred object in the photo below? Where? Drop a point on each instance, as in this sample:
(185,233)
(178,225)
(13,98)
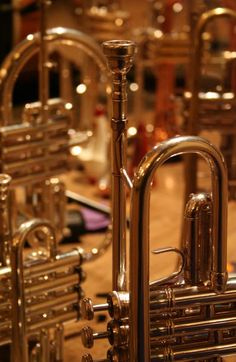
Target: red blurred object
(30,17)
(165,123)
(141,145)
(232,5)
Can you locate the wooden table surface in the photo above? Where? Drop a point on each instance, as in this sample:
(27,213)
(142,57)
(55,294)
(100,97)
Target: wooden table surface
(165,228)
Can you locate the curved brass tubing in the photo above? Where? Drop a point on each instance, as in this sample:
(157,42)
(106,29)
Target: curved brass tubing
(19,56)
(186,317)
(196,62)
(19,334)
(204,20)
(139,232)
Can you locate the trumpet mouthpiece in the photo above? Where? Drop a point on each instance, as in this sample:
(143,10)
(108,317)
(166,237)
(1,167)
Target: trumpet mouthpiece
(120,54)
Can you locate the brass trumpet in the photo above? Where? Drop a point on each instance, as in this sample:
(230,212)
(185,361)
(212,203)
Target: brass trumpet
(188,316)
(220,116)
(40,290)
(106,20)
(37,147)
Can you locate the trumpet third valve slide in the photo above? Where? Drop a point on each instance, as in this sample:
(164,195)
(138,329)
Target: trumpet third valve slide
(39,292)
(189,316)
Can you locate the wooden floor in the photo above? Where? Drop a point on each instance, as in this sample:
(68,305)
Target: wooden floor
(165,227)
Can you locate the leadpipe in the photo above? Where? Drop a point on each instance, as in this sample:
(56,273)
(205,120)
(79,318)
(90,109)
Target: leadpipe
(120,57)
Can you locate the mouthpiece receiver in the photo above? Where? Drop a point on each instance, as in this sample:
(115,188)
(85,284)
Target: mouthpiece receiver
(120,55)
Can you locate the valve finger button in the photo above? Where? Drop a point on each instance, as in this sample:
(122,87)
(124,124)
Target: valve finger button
(88,308)
(88,358)
(88,336)
(118,303)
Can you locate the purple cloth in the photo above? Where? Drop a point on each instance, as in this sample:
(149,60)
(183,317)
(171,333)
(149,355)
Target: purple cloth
(94,220)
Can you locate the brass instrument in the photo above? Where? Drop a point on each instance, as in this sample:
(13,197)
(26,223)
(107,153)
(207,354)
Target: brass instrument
(208,111)
(26,49)
(106,20)
(41,288)
(37,147)
(39,291)
(160,49)
(190,315)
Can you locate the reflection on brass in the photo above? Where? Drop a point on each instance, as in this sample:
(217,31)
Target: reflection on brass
(35,148)
(210,111)
(187,316)
(106,20)
(39,291)
(41,287)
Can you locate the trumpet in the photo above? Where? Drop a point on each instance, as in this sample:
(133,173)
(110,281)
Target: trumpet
(107,20)
(37,148)
(40,290)
(216,109)
(187,316)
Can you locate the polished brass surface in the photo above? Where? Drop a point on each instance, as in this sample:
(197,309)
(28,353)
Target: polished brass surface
(40,288)
(119,55)
(37,147)
(15,60)
(196,120)
(39,291)
(106,21)
(188,316)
